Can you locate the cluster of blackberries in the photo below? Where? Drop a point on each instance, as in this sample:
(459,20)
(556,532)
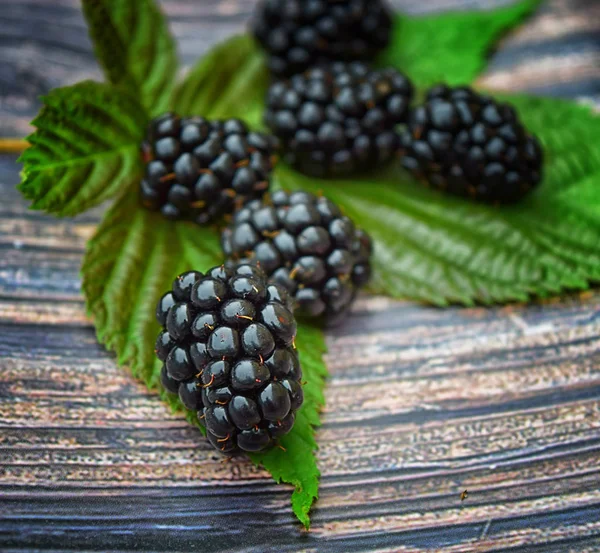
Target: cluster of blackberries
(334,115)
(228,350)
(198,169)
(227,338)
(299,34)
(339,119)
(335,118)
(304,243)
(471,145)
(227,341)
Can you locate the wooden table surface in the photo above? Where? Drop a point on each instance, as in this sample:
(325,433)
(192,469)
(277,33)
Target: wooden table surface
(423,403)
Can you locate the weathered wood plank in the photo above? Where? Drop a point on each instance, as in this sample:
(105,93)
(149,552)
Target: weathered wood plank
(423,403)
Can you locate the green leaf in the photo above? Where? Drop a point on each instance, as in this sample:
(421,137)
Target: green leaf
(296,463)
(85,149)
(129,263)
(230,81)
(440,249)
(134,47)
(452,46)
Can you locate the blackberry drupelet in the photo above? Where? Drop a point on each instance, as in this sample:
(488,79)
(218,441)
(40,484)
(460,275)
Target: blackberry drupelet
(228,350)
(471,145)
(298,34)
(200,170)
(338,119)
(304,243)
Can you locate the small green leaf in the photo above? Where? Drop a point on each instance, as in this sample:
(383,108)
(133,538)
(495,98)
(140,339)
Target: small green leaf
(85,149)
(129,263)
(296,463)
(451,47)
(230,81)
(440,249)
(134,47)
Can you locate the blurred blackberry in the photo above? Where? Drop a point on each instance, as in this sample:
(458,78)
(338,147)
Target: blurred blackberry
(228,350)
(298,34)
(200,170)
(338,119)
(471,145)
(304,243)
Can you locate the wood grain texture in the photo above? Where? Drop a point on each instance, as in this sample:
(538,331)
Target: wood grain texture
(45,44)
(423,403)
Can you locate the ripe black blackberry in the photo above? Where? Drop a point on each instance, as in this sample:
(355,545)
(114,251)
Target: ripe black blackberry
(304,243)
(199,169)
(338,119)
(298,34)
(228,347)
(471,145)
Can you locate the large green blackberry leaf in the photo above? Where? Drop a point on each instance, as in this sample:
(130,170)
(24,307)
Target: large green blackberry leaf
(129,263)
(230,81)
(441,249)
(450,47)
(438,248)
(85,150)
(134,47)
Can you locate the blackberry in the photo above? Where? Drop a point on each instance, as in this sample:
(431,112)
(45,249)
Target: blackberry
(471,145)
(198,169)
(228,350)
(298,34)
(304,243)
(338,119)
